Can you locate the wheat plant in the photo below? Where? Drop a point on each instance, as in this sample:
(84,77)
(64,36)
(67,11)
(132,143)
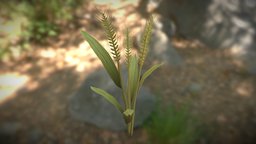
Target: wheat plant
(134,65)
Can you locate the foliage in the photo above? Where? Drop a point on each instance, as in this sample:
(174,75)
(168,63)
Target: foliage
(134,66)
(40,20)
(170,125)
(12,41)
(44,16)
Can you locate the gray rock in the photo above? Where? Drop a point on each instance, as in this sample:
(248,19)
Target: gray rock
(87,106)
(165,25)
(217,23)
(161,50)
(160,47)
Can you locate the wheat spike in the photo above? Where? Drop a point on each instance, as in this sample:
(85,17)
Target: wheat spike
(111,35)
(145,41)
(128,46)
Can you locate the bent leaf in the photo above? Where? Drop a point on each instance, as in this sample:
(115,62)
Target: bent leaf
(149,72)
(108,97)
(105,58)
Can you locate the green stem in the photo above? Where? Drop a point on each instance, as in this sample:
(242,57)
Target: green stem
(134,103)
(129,128)
(127,101)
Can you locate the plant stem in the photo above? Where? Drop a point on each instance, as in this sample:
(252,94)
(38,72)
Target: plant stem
(127,101)
(133,105)
(129,128)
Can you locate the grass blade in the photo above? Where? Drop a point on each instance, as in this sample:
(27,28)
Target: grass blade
(133,75)
(148,73)
(105,58)
(108,97)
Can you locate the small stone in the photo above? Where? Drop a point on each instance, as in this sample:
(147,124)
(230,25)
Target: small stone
(221,118)
(194,88)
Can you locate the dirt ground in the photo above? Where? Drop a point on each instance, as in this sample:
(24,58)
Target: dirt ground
(225,102)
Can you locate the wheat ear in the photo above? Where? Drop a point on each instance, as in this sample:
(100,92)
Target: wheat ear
(128,46)
(145,41)
(111,35)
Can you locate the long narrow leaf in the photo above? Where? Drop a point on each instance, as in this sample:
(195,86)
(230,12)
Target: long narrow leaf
(105,58)
(108,97)
(149,72)
(133,75)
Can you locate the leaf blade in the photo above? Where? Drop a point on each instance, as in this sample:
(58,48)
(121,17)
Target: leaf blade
(108,97)
(105,58)
(149,72)
(133,76)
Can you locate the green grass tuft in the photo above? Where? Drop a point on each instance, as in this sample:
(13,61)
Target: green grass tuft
(169,125)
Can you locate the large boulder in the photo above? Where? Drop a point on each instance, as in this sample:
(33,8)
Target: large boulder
(87,106)
(217,23)
(161,49)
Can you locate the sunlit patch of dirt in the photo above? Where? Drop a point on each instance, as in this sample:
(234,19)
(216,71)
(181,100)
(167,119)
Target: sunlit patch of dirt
(11,83)
(81,57)
(245,88)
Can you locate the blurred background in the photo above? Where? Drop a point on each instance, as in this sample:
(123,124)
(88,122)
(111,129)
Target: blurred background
(205,93)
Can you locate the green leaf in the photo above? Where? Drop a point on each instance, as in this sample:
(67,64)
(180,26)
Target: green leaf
(105,58)
(133,75)
(108,97)
(149,72)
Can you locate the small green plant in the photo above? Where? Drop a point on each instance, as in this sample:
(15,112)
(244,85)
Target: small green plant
(112,66)
(169,125)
